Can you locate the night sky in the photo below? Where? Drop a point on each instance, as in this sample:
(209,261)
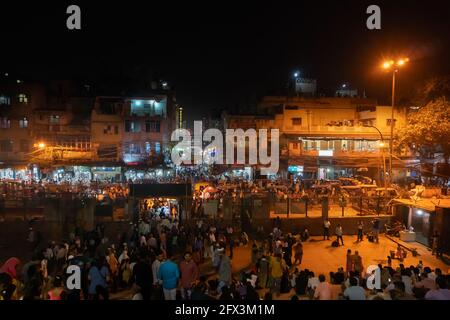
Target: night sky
(224,54)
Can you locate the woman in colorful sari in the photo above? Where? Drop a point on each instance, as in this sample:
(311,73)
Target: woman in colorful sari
(9,271)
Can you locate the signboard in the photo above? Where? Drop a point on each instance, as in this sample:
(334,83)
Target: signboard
(295,169)
(325,153)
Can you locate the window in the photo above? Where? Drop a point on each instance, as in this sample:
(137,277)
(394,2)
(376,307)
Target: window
(54,119)
(22,98)
(110,129)
(5,100)
(132,126)
(24,146)
(152,126)
(135,148)
(6,145)
(23,123)
(157,147)
(296,121)
(5,123)
(148,147)
(388,122)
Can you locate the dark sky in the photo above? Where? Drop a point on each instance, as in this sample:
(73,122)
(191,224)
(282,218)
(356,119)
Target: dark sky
(226,54)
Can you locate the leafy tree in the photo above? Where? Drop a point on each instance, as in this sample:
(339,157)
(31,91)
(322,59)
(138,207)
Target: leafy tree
(428,130)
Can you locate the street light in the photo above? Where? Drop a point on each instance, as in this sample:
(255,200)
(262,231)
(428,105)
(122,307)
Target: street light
(393,66)
(381,145)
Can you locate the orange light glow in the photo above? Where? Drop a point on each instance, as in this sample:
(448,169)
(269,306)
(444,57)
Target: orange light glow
(386,65)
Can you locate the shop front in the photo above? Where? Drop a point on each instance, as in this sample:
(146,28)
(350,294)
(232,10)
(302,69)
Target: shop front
(166,200)
(20,173)
(111,174)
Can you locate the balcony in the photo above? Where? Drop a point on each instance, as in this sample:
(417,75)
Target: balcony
(350,154)
(332,130)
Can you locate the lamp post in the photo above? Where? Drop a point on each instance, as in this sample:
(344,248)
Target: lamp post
(382,152)
(394,67)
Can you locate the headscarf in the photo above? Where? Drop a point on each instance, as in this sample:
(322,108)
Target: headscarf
(9,267)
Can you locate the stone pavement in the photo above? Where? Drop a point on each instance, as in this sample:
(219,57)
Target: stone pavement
(320,257)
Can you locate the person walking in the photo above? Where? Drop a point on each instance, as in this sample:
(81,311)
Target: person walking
(169,274)
(339,232)
(326,229)
(360,231)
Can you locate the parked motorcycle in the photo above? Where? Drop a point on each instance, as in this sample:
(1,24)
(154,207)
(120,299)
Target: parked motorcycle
(394,229)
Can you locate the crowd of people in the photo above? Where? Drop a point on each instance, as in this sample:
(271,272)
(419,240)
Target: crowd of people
(159,259)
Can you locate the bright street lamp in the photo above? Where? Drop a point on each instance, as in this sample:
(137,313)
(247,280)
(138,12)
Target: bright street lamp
(393,66)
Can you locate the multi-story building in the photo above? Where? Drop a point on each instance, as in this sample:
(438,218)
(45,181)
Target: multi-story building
(327,137)
(133,131)
(18,100)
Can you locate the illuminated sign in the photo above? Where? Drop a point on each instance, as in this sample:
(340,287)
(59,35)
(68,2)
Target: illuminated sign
(295,168)
(325,153)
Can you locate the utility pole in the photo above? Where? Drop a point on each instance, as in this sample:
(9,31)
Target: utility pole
(391,142)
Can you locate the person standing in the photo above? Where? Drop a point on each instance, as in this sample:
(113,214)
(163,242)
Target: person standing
(298,253)
(169,274)
(376,229)
(143,277)
(326,229)
(434,243)
(360,231)
(189,274)
(339,232)
(231,241)
(349,263)
(357,263)
(262,268)
(277,268)
(224,270)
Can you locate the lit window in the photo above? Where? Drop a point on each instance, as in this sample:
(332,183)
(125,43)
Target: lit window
(5,123)
(23,98)
(5,100)
(54,119)
(23,123)
(157,147)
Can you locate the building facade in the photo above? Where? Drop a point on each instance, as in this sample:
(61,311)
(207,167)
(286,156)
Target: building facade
(325,138)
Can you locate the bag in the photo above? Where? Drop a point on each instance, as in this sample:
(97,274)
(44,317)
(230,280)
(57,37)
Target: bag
(335,243)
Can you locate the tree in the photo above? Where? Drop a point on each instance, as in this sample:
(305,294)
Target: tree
(433,89)
(427,131)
